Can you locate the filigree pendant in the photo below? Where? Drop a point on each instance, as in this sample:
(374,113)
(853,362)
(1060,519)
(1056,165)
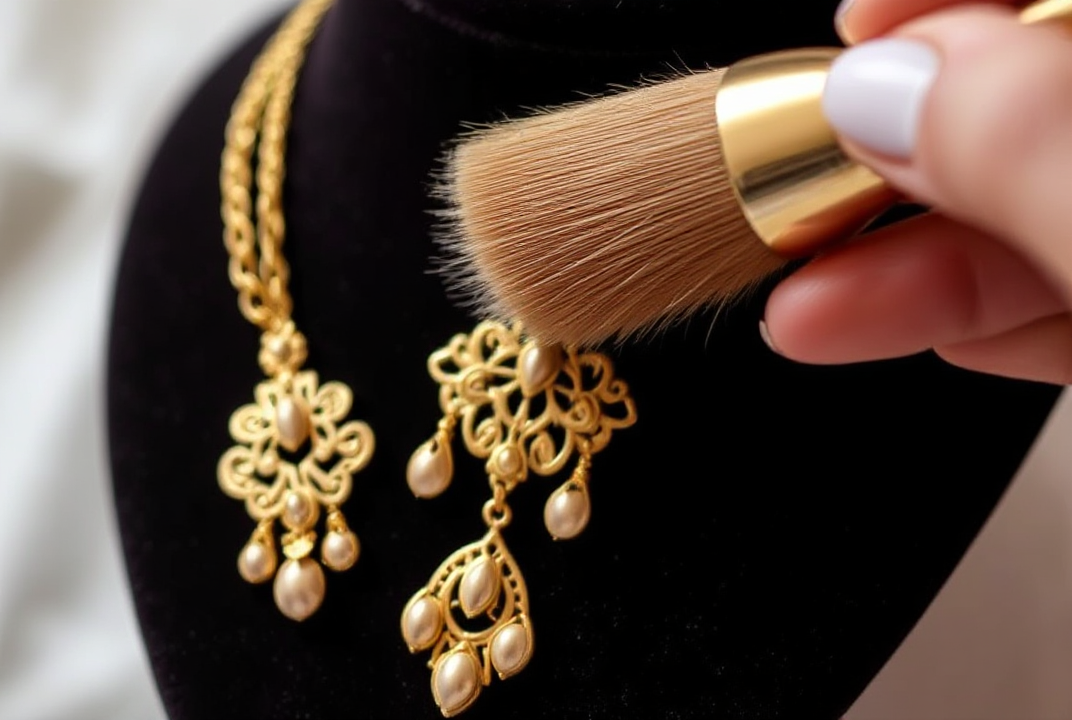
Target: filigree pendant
(522,408)
(482,582)
(293,463)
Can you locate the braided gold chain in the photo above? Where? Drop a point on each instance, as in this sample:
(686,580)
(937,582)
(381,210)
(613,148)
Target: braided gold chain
(295,452)
(259,121)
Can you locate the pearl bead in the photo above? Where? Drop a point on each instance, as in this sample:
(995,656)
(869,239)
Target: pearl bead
(537,367)
(509,461)
(339,550)
(455,682)
(299,511)
(256,562)
(510,650)
(291,422)
(567,511)
(479,588)
(430,469)
(299,588)
(422,623)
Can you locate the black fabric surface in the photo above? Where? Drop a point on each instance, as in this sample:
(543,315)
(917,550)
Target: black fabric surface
(761,540)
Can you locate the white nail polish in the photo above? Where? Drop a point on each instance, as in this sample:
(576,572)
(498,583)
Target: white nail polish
(839,19)
(764,332)
(875,92)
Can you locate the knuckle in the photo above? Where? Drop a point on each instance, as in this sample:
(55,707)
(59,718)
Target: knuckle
(991,120)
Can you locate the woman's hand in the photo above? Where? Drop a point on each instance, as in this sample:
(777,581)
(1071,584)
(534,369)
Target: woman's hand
(968,111)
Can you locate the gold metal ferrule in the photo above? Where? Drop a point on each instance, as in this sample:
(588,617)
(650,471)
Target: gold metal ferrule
(795,184)
(1057,11)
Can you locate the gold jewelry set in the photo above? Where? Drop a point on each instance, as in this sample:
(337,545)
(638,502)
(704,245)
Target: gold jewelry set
(522,407)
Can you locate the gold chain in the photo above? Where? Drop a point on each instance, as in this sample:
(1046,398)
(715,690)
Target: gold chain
(261,114)
(295,454)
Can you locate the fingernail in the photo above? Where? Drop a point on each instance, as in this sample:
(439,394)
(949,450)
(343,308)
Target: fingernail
(764,333)
(875,92)
(839,20)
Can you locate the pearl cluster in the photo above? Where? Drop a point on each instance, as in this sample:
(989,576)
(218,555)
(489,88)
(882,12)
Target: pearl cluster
(475,585)
(569,404)
(299,584)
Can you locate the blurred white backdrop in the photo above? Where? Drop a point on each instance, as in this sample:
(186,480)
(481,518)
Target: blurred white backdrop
(86,89)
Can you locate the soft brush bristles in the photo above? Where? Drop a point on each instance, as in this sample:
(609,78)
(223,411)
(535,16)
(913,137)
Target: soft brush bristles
(604,219)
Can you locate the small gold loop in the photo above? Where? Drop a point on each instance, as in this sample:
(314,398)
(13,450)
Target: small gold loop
(497,515)
(498,492)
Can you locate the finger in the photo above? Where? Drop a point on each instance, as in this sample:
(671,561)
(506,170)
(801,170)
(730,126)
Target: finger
(970,112)
(1040,351)
(859,20)
(904,289)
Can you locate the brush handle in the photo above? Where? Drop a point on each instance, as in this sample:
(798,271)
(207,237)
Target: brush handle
(794,183)
(1058,11)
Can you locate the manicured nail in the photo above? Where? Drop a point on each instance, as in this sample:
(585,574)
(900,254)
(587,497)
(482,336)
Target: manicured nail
(875,93)
(764,333)
(839,20)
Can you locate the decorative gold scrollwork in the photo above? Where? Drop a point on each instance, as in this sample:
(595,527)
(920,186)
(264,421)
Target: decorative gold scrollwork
(292,460)
(521,407)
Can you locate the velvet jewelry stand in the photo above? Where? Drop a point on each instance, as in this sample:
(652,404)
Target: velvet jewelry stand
(761,540)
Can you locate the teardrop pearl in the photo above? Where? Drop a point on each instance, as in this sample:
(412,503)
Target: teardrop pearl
(537,367)
(291,422)
(339,550)
(422,623)
(299,588)
(455,682)
(567,511)
(430,469)
(510,650)
(479,588)
(256,562)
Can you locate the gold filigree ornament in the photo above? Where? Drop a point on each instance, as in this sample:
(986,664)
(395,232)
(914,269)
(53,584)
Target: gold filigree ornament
(293,460)
(523,408)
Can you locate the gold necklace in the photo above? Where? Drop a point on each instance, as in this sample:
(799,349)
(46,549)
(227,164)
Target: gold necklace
(292,459)
(525,408)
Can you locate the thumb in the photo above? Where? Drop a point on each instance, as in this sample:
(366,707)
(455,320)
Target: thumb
(970,112)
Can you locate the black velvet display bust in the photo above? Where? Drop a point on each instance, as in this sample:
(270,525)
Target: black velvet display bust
(761,540)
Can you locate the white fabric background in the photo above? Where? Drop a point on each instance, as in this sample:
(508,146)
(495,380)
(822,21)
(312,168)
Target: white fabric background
(86,87)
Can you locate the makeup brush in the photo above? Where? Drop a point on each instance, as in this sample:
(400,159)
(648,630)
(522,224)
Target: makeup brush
(615,217)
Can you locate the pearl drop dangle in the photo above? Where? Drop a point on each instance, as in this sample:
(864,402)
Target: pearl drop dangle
(295,454)
(524,408)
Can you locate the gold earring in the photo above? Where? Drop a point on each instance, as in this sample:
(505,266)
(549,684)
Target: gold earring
(522,407)
(293,461)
